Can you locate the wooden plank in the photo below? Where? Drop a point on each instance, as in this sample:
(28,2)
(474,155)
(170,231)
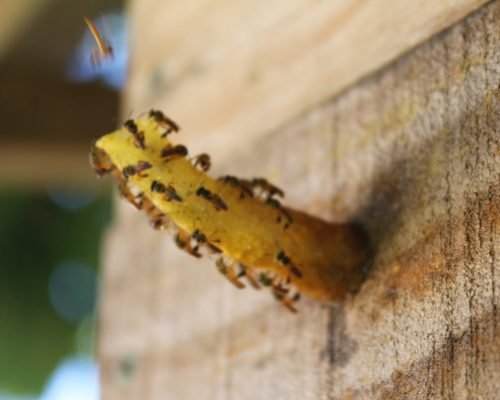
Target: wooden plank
(232,69)
(15,16)
(413,153)
(38,164)
(42,140)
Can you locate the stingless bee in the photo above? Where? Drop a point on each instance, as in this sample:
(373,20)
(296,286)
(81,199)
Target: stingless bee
(138,135)
(131,170)
(215,199)
(170,151)
(238,183)
(163,120)
(228,272)
(284,260)
(103,50)
(202,161)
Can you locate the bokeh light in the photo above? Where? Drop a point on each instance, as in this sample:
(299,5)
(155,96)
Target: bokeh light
(76,378)
(72,290)
(71,198)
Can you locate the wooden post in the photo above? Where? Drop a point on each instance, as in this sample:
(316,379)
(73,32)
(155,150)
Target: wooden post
(413,153)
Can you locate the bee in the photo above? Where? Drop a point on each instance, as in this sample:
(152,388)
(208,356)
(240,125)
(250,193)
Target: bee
(125,192)
(157,222)
(238,183)
(131,126)
(201,239)
(157,219)
(158,187)
(265,280)
(101,163)
(170,151)
(180,242)
(202,161)
(138,135)
(228,272)
(279,291)
(281,294)
(163,120)
(213,248)
(269,191)
(246,272)
(183,242)
(171,194)
(230,180)
(284,260)
(212,197)
(131,170)
(276,205)
(268,188)
(104,49)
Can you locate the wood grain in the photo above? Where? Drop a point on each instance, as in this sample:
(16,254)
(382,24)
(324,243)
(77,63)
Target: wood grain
(232,71)
(412,152)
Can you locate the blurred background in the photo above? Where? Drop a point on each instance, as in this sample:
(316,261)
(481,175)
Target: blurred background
(53,212)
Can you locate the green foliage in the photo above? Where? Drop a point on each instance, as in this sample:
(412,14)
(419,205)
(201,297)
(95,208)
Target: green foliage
(35,235)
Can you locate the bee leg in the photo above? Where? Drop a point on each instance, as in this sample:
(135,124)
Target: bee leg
(128,195)
(282,294)
(249,275)
(183,241)
(289,302)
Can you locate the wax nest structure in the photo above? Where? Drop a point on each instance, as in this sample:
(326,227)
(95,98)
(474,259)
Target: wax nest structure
(241,223)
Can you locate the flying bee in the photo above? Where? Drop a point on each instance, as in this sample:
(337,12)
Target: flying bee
(198,236)
(202,161)
(180,242)
(215,199)
(163,120)
(228,272)
(103,50)
(131,170)
(138,135)
(284,260)
(170,151)
(213,248)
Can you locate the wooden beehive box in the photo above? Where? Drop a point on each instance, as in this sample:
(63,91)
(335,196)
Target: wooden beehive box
(337,104)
